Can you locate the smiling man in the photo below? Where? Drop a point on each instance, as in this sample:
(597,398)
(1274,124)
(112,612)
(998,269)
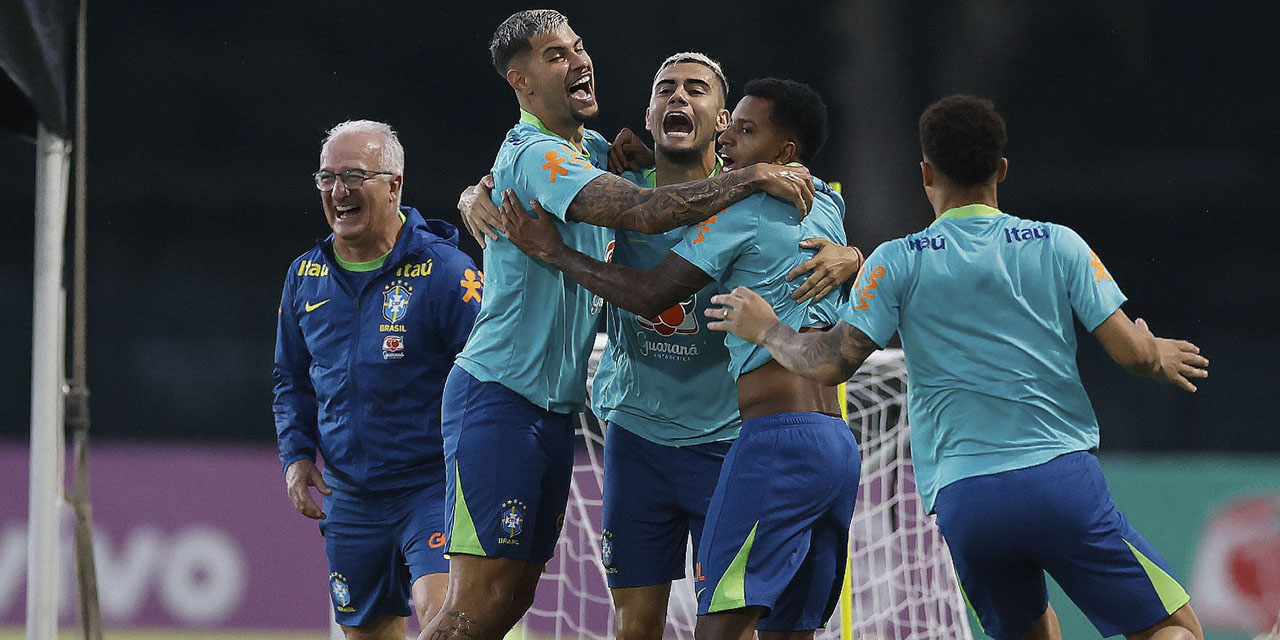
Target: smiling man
(508,402)
(369,324)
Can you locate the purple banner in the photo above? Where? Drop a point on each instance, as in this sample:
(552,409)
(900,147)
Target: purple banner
(199,537)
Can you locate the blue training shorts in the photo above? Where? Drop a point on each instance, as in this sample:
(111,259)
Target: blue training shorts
(508,464)
(1006,529)
(379,543)
(655,497)
(777,531)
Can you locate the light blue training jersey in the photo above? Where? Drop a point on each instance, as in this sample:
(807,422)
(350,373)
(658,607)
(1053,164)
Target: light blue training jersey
(753,243)
(983,301)
(666,378)
(536,326)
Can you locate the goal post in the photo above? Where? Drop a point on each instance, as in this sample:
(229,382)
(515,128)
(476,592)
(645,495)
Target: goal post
(901,582)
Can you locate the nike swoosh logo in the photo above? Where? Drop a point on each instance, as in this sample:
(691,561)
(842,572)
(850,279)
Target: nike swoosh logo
(698,593)
(312,307)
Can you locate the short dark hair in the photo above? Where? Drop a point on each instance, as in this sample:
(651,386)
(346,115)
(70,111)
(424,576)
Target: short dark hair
(512,36)
(963,137)
(798,109)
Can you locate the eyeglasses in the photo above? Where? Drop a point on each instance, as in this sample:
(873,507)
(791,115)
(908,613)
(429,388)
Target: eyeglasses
(352,179)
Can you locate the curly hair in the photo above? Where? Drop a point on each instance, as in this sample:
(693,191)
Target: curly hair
(963,137)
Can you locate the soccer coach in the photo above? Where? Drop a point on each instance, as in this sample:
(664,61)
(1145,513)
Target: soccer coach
(370,322)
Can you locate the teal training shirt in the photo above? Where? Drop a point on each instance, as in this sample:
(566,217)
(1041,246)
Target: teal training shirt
(665,379)
(983,301)
(754,243)
(536,326)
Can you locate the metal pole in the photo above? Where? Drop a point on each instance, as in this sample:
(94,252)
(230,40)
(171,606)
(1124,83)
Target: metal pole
(47,350)
(78,389)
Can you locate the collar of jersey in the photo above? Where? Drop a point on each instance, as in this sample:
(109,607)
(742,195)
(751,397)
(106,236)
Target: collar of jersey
(651,176)
(367,265)
(529,118)
(968,211)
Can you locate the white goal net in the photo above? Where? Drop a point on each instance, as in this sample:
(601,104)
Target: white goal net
(903,585)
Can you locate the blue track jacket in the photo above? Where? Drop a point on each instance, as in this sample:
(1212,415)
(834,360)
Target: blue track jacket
(359,373)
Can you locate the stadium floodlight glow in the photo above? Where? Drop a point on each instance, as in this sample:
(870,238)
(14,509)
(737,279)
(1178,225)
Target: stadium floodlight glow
(352,179)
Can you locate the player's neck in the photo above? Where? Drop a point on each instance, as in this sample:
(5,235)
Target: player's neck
(945,200)
(674,170)
(569,129)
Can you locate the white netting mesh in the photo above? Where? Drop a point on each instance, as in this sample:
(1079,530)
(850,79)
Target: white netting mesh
(903,584)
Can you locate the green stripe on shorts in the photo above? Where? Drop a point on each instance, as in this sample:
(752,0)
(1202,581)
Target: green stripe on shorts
(463,538)
(1172,595)
(731,591)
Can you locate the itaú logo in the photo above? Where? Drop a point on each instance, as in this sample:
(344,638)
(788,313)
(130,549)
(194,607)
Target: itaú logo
(679,318)
(1236,584)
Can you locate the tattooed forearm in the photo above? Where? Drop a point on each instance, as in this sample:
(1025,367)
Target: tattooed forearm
(830,357)
(454,625)
(645,293)
(610,201)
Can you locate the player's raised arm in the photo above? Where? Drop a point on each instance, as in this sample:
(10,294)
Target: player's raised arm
(1132,345)
(829,357)
(610,201)
(643,292)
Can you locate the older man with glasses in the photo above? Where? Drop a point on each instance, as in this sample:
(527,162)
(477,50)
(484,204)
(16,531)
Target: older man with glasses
(370,322)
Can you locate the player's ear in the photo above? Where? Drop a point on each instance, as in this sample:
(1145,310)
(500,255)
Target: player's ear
(1002,170)
(926,173)
(647,111)
(722,120)
(788,153)
(517,80)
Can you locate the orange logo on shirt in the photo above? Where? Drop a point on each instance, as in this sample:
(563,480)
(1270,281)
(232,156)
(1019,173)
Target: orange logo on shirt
(436,540)
(864,291)
(1099,271)
(554,160)
(473,288)
(705,225)
(552,166)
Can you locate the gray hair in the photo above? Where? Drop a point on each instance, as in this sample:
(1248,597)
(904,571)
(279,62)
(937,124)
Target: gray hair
(513,35)
(696,58)
(392,156)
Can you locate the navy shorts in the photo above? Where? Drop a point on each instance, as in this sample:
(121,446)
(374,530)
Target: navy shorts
(508,464)
(777,532)
(655,497)
(379,543)
(1006,529)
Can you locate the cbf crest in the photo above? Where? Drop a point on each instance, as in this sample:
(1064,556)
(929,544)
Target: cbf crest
(341,592)
(395,300)
(606,551)
(511,521)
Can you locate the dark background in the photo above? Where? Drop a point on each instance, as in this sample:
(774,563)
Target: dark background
(1149,127)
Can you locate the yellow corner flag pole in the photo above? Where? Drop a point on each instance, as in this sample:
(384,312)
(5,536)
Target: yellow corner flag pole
(846,588)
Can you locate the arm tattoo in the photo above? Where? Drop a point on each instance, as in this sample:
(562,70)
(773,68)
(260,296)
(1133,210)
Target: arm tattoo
(455,625)
(645,293)
(611,201)
(829,356)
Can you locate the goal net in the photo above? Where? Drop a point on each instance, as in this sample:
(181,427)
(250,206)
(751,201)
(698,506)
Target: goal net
(902,582)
